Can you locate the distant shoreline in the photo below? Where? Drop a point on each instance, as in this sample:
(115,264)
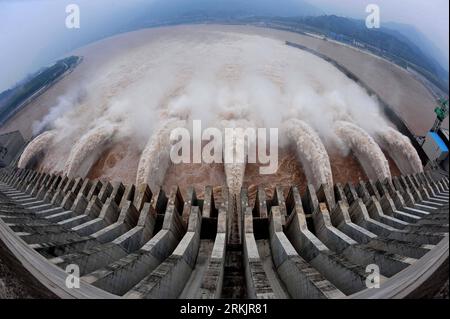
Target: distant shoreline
(407,96)
(38,93)
(387,109)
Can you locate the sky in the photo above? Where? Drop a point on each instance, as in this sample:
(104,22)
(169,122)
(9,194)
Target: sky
(33,32)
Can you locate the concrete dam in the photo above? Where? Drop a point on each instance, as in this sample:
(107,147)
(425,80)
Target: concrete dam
(130,242)
(93,207)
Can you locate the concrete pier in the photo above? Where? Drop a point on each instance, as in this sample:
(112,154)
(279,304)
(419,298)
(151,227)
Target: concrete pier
(129,242)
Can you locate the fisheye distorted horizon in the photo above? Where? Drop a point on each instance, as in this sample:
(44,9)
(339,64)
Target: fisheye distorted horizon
(36,35)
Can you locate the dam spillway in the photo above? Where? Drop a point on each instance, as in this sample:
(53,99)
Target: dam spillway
(312,235)
(130,242)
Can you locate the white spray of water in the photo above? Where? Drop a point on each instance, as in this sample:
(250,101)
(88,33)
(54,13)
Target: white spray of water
(238,151)
(65,104)
(87,150)
(401,150)
(35,147)
(311,152)
(365,149)
(261,78)
(234,174)
(155,159)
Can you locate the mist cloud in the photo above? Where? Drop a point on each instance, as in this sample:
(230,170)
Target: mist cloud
(222,76)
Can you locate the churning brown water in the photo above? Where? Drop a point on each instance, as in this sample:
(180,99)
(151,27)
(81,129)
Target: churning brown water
(225,76)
